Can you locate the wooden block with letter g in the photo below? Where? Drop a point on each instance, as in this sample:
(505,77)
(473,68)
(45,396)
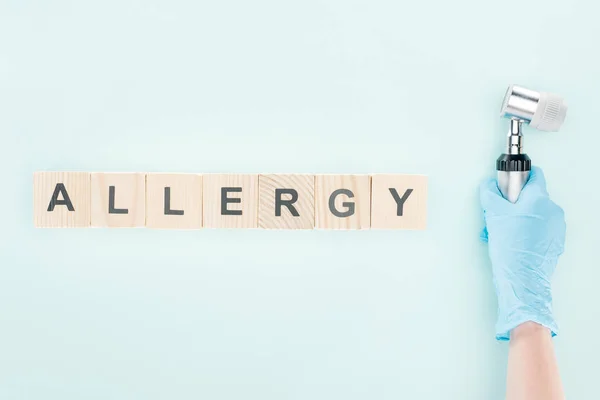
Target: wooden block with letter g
(286,201)
(118,200)
(342,202)
(399,202)
(230,200)
(174,201)
(61,199)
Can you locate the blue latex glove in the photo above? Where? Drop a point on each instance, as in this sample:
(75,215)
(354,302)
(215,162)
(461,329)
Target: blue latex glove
(525,240)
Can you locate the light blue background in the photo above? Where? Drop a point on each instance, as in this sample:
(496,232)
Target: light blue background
(278,86)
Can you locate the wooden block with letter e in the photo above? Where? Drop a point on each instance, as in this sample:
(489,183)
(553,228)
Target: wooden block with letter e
(230,200)
(61,199)
(174,201)
(286,201)
(342,202)
(118,200)
(399,202)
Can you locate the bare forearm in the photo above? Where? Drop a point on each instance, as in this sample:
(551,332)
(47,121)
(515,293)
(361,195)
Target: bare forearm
(532,368)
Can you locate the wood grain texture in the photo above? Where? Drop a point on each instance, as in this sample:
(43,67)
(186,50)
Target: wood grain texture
(247,194)
(360,188)
(304,206)
(384,214)
(76,186)
(182,209)
(129,194)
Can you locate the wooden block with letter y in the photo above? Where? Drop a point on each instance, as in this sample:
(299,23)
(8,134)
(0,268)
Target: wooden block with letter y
(61,199)
(230,200)
(174,201)
(118,200)
(342,202)
(399,202)
(286,201)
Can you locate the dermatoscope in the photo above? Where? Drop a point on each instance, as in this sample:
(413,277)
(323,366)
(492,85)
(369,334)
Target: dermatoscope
(542,111)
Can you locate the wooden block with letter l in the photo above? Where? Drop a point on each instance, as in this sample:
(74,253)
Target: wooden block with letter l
(118,200)
(399,202)
(61,199)
(174,201)
(342,202)
(286,201)
(230,200)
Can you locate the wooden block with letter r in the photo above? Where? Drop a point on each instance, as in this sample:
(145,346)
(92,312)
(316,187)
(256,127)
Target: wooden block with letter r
(230,200)
(342,202)
(174,201)
(286,201)
(118,200)
(61,199)
(399,202)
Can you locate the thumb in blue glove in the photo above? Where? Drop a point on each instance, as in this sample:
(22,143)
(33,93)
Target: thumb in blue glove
(525,240)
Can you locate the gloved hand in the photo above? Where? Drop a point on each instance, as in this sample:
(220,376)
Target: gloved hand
(525,240)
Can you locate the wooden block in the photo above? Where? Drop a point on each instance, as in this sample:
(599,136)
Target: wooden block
(61,199)
(174,201)
(118,200)
(342,202)
(399,202)
(230,201)
(286,201)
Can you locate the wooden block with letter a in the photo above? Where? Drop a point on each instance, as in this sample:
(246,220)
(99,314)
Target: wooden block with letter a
(230,200)
(286,201)
(118,200)
(61,199)
(174,201)
(342,202)
(399,202)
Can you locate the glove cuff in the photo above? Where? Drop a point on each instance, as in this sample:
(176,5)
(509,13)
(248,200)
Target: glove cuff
(506,323)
